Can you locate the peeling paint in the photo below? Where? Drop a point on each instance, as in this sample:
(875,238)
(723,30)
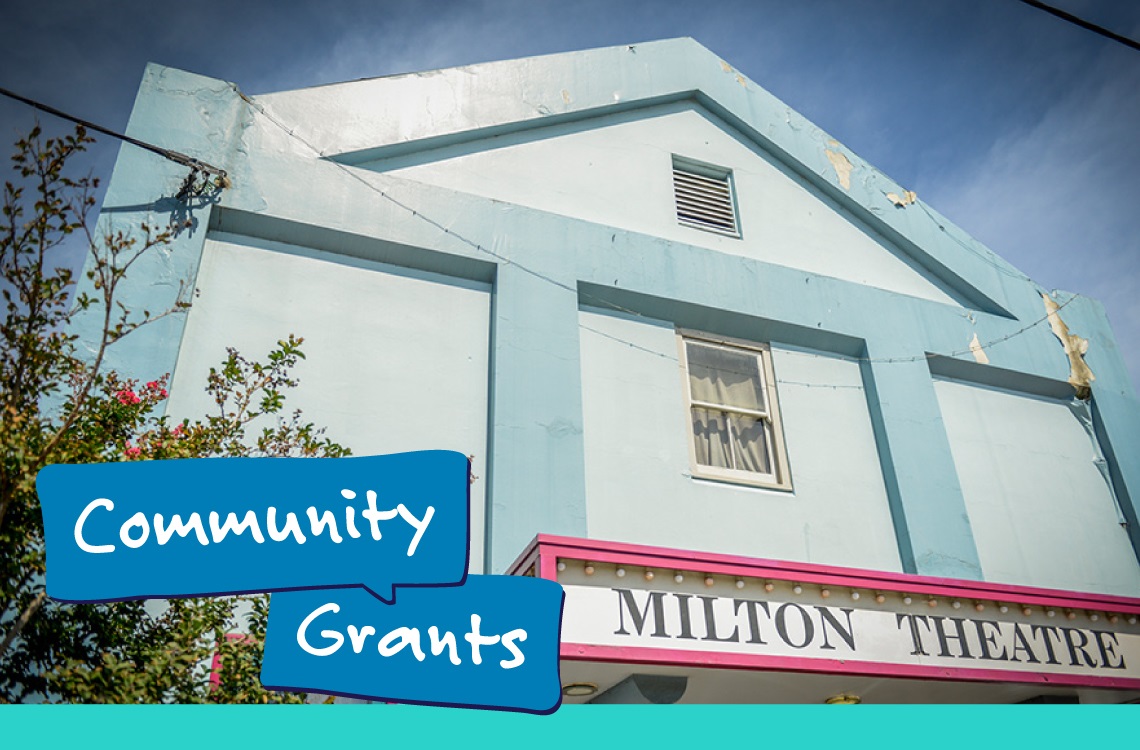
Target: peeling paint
(978,352)
(1080,376)
(842,168)
(1084,415)
(565,96)
(741,81)
(934,534)
(908,197)
(725,66)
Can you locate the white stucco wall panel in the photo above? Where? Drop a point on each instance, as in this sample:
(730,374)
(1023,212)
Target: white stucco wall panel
(617,170)
(1041,512)
(639,487)
(396,360)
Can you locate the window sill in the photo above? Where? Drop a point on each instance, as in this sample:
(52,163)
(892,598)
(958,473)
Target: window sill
(730,478)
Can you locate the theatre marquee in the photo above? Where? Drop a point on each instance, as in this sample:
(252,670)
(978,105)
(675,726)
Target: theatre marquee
(643,605)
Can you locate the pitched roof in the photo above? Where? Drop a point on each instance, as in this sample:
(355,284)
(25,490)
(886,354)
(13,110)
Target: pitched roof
(366,120)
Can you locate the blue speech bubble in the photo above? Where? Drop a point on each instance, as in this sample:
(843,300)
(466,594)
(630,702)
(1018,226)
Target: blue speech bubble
(213,526)
(491,643)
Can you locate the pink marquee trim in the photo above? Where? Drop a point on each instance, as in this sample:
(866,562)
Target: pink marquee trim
(670,657)
(549,548)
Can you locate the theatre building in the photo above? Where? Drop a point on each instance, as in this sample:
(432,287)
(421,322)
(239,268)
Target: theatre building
(783,432)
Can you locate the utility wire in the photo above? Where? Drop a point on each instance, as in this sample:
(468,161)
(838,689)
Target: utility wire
(201,166)
(174,156)
(357,176)
(1084,24)
(845,358)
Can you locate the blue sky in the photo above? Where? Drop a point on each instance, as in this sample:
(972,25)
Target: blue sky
(1019,127)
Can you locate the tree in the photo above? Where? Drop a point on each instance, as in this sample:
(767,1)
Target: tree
(57,406)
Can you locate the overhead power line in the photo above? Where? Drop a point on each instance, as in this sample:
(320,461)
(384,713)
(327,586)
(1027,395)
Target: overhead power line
(201,166)
(358,176)
(1084,24)
(174,156)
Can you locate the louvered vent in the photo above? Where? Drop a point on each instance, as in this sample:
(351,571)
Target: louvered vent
(704,198)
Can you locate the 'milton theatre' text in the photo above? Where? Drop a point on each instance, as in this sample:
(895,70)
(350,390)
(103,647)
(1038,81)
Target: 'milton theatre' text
(658,617)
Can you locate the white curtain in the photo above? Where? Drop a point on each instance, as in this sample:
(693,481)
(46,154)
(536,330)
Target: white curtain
(724,377)
(710,436)
(720,376)
(751,438)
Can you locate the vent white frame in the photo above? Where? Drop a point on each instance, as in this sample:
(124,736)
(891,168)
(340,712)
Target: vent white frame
(704,197)
(780,477)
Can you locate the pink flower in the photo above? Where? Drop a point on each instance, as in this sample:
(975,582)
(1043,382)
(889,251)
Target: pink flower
(162,393)
(127,397)
(177,431)
(132,452)
(152,384)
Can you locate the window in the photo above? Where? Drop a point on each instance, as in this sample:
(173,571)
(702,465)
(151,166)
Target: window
(735,423)
(704,198)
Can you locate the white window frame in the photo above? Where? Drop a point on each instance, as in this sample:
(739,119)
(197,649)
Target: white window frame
(780,476)
(706,172)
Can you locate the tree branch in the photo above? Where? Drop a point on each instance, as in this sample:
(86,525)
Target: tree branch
(22,622)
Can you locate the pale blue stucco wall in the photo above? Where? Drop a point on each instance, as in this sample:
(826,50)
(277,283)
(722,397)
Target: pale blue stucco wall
(286,154)
(1042,512)
(395,358)
(639,482)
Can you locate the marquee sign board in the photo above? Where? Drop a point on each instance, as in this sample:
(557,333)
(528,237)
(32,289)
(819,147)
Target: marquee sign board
(647,605)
